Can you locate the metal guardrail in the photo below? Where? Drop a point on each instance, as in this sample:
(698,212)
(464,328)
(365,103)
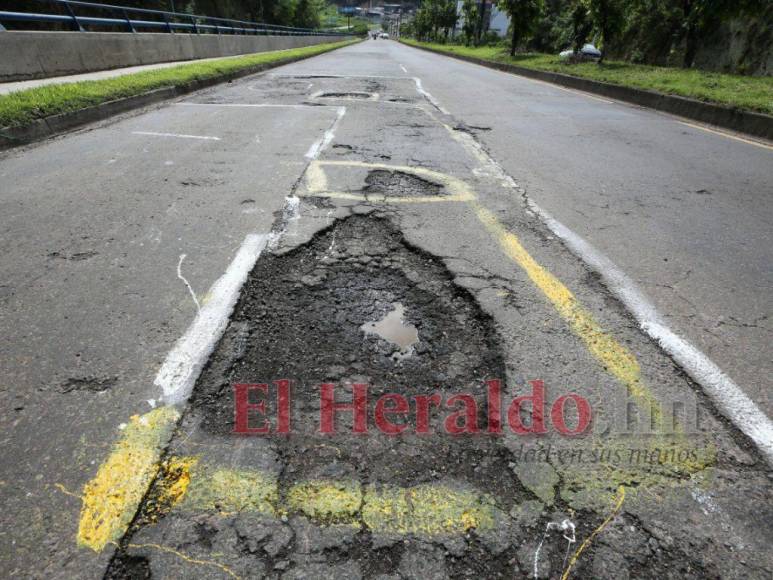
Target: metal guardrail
(123,18)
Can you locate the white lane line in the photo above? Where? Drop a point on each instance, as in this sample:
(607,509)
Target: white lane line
(732,402)
(405,70)
(187,284)
(729,398)
(177,135)
(323,75)
(428,96)
(184,362)
(319,145)
(258,105)
(182,366)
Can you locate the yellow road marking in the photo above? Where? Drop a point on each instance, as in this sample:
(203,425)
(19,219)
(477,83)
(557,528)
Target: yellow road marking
(185,557)
(380,198)
(615,358)
(111,499)
(326,501)
(427,509)
(728,135)
(596,532)
(317,182)
(230,490)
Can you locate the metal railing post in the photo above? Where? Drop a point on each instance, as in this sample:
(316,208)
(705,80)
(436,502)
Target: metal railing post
(76,25)
(128,21)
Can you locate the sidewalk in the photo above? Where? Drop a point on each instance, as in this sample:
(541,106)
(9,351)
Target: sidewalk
(11,87)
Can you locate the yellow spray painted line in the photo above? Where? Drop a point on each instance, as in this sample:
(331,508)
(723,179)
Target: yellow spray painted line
(618,506)
(317,183)
(380,198)
(111,499)
(616,359)
(424,510)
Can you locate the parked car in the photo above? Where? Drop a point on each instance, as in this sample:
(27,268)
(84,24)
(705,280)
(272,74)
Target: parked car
(587,52)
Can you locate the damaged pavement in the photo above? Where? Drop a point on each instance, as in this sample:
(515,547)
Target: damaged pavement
(393,219)
(384,253)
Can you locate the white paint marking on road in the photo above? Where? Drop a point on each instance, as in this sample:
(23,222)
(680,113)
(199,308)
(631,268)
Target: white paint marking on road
(729,398)
(187,284)
(567,528)
(184,362)
(177,135)
(428,96)
(731,401)
(258,105)
(323,75)
(320,144)
(405,70)
(190,353)
(728,135)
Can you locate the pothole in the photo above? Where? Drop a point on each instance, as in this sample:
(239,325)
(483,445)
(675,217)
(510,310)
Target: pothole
(302,316)
(350,95)
(399,184)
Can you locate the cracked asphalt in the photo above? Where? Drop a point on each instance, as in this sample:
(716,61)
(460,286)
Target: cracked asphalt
(369,189)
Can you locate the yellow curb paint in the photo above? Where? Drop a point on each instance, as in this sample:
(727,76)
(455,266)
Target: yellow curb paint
(111,499)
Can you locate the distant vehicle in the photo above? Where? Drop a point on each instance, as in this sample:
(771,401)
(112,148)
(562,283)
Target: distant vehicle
(384,35)
(587,52)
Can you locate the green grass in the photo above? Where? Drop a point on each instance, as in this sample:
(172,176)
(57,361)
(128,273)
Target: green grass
(22,107)
(751,93)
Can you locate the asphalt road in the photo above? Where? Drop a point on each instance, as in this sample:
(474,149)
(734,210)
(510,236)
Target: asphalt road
(359,184)
(684,212)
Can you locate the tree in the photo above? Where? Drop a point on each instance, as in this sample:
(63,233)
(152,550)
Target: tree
(581,25)
(607,17)
(699,16)
(523,18)
(469,28)
(306,14)
(448,16)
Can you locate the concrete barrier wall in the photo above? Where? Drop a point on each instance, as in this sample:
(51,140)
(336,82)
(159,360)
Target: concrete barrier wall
(33,55)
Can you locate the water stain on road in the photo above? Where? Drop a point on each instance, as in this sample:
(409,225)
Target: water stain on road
(394,329)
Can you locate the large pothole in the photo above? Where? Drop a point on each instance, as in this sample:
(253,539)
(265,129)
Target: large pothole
(399,184)
(302,317)
(305,315)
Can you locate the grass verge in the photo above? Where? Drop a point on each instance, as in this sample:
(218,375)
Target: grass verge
(22,107)
(743,92)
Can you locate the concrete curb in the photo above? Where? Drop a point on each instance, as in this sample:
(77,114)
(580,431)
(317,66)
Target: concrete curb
(16,136)
(755,124)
